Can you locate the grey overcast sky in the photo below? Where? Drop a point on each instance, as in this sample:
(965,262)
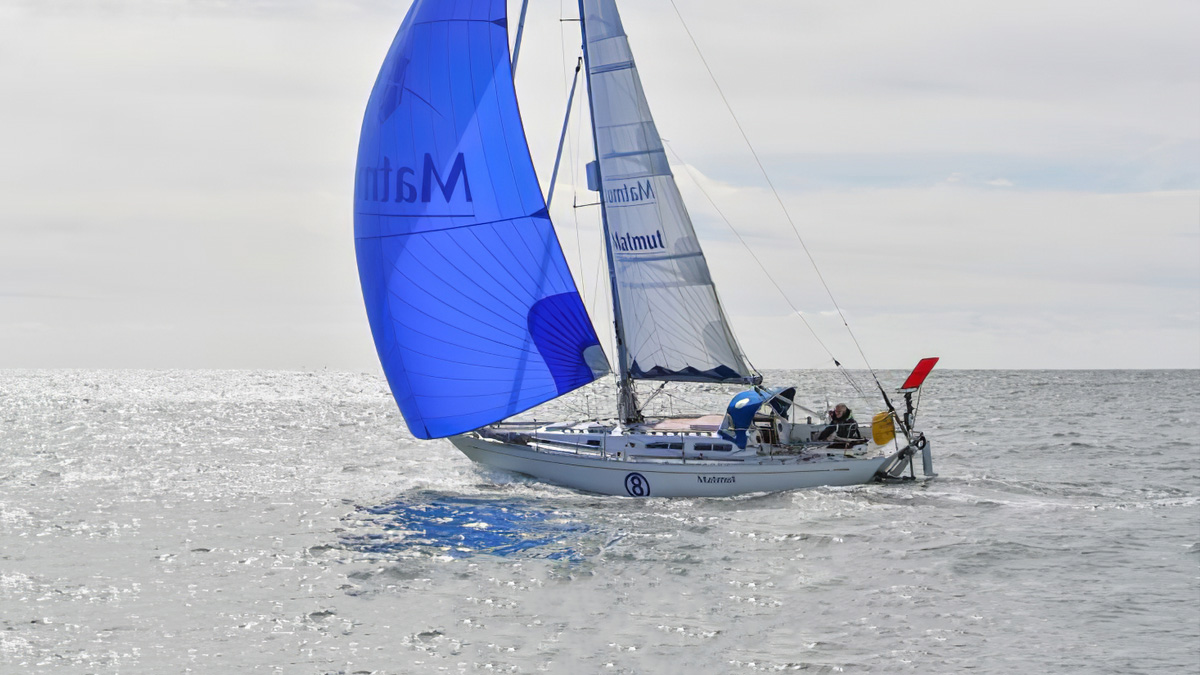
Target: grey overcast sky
(1006,184)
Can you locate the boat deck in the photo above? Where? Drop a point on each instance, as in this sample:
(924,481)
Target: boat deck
(671,441)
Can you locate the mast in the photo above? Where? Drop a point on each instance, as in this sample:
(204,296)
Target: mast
(627,408)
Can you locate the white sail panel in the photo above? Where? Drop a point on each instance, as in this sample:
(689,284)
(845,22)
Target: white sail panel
(672,322)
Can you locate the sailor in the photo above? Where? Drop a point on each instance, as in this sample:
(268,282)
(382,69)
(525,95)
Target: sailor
(842,427)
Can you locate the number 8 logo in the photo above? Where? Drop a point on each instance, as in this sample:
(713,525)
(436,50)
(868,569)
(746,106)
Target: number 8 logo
(637,485)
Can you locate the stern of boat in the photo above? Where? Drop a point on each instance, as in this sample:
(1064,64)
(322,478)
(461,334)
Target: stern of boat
(902,461)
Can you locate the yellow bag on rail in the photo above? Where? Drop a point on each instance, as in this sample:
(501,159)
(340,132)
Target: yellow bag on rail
(883,430)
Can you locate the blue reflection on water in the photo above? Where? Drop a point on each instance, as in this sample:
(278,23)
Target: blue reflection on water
(462,526)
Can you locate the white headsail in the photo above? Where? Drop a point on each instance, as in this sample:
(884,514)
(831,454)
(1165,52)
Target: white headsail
(672,324)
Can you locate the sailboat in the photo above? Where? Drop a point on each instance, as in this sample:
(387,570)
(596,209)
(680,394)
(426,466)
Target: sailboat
(476,317)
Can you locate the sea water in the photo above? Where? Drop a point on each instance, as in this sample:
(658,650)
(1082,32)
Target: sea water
(269,522)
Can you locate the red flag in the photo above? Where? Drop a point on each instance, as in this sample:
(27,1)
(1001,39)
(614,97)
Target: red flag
(920,373)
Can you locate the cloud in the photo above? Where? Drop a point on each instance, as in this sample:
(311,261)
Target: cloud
(175,182)
(1018,266)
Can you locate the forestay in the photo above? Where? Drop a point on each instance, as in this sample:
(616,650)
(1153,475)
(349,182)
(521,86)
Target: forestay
(473,309)
(672,322)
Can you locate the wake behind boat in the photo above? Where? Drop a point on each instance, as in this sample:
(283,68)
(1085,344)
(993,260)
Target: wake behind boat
(476,316)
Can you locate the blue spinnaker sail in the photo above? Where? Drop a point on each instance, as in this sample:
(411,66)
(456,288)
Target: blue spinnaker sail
(471,303)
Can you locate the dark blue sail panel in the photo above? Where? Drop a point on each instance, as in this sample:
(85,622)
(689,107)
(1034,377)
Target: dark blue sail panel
(470,300)
(561,331)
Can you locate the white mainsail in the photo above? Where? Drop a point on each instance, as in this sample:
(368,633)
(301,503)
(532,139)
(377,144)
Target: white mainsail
(671,323)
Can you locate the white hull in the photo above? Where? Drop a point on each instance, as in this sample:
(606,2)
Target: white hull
(668,478)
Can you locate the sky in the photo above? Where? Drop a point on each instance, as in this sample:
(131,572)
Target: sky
(1001,184)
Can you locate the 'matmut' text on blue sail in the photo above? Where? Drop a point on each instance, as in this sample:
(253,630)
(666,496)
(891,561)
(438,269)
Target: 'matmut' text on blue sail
(472,306)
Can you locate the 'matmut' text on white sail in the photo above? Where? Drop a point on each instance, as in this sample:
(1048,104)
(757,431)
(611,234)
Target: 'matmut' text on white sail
(672,324)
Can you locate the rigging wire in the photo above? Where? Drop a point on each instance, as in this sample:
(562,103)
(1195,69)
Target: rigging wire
(695,181)
(597,287)
(775,192)
(574,191)
(562,42)
(573,141)
(597,290)
(695,407)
